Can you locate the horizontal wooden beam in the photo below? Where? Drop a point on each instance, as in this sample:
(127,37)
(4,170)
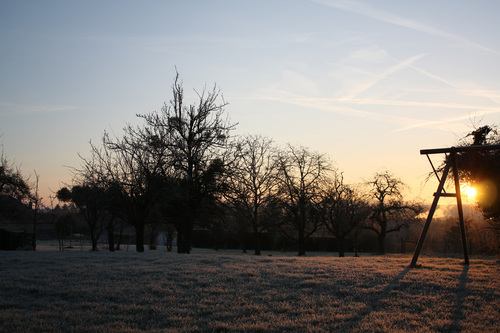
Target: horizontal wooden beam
(451,195)
(459,149)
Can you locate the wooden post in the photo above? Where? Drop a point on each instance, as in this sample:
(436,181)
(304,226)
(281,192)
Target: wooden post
(431,213)
(459,206)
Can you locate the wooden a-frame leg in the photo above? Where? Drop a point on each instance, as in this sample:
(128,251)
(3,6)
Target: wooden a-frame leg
(431,213)
(460,209)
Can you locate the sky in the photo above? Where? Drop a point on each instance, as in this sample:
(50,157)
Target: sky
(369,83)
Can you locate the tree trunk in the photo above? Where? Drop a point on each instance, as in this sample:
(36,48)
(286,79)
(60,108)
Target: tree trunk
(139,236)
(257,243)
(302,248)
(94,242)
(356,244)
(302,243)
(170,238)
(256,235)
(33,240)
(243,242)
(152,238)
(184,230)
(60,237)
(180,240)
(381,243)
(187,240)
(122,226)
(93,237)
(111,237)
(341,245)
(183,240)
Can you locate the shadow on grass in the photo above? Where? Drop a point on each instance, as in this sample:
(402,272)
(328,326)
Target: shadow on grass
(373,304)
(459,303)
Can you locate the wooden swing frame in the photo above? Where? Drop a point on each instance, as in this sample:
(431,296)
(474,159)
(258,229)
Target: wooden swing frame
(450,163)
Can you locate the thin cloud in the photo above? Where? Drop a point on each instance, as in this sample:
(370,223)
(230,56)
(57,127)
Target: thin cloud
(362,9)
(12,108)
(491,95)
(435,124)
(363,87)
(370,54)
(404,123)
(330,105)
(412,103)
(294,82)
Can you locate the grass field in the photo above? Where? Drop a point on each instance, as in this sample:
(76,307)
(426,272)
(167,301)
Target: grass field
(81,291)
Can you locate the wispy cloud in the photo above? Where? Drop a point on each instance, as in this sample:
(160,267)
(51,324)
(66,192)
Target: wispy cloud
(366,10)
(12,108)
(367,85)
(370,54)
(332,105)
(294,82)
(354,108)
(430,105)
(435,124)
(494,96)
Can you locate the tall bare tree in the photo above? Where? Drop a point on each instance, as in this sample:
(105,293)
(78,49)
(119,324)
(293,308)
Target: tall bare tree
(344,210)
(252,185)
(36,200)
(135,164)
(302,178)
(389,212)
(194,136)
(95,192)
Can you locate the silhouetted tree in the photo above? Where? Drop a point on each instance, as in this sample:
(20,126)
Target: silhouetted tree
(97,194)
(90,201)
(252,186)
(389,212)
(194,136)
(12,182)
(35,202)
(16,197)
(302,178)
(344,210)
(134,169)
(64,226)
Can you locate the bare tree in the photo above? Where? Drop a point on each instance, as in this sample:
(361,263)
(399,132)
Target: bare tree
(17,197)
(390,212)
(89,199)
(133,166)
(344,210)
(12,183)
(193,135)
(36,201)
(93,194)
(252,186)
(302,178)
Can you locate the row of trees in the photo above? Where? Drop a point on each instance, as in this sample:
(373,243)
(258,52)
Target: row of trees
(181,167)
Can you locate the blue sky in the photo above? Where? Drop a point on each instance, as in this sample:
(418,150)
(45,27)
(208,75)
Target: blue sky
(369,83)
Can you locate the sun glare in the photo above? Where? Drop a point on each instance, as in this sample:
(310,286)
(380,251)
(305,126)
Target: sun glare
(469,191)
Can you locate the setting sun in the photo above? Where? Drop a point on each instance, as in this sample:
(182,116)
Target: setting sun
(469,191)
